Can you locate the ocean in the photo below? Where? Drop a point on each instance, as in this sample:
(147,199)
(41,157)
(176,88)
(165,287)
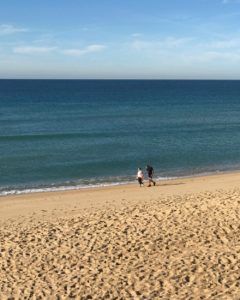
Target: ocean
(68,134)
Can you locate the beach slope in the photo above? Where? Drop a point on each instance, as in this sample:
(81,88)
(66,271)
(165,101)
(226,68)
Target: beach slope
(178,240)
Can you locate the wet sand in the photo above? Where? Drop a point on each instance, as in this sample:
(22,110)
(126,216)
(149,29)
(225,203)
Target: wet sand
(178,240)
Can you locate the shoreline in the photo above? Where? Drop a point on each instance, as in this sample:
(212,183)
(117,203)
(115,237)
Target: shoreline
(71,188)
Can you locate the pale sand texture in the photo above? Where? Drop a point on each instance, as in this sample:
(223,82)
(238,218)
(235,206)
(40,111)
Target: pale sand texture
(179,240)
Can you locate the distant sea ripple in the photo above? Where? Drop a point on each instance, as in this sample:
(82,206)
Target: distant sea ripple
(67,134)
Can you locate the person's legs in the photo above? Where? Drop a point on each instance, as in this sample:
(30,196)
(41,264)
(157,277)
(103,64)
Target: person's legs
(154,183)
(140,181)
(151,180)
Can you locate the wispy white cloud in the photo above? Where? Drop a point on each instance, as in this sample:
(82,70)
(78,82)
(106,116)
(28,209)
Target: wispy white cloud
(224,44)
(83,51)
(46,49)
(33,50)
(8,29)
(230,1)
(87,29)
(140,44)
(166,43)
(172,42)
(189,50)
(217,56)
(136,35)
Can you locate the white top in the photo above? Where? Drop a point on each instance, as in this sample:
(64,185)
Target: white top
(140,174)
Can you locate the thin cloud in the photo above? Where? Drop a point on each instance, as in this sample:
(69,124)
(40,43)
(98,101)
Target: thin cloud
(45,50)
(33,50)
(214,56)
(136,35)
(167,43)
(172,42)
(230,1)
(141,44)
(8,29)
(225,44)
(86,50)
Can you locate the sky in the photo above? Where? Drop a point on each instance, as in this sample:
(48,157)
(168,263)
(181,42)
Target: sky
(135,39)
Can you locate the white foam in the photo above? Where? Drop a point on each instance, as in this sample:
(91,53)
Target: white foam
(71,187)
(59,188)
(90,186)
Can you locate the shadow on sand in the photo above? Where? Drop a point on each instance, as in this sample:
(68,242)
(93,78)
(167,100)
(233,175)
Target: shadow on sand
(167,184)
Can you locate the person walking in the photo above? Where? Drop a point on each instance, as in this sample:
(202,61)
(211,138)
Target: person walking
(150,173)
(140,177)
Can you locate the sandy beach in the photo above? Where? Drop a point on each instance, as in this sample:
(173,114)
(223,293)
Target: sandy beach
(178,240)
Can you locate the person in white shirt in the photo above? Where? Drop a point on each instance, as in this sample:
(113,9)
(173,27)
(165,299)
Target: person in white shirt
(140,176)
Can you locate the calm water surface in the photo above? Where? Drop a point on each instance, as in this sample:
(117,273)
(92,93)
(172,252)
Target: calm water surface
(74,133)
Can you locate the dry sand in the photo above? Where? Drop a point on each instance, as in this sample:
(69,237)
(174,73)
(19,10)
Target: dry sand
(178,240)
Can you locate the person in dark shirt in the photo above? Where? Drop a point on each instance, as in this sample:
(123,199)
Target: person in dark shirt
(150,173)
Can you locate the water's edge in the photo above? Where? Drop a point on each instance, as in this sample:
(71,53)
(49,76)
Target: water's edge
(62,188)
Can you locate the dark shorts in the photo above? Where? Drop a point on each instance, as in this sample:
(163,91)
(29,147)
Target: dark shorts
(150,176)
(140,181)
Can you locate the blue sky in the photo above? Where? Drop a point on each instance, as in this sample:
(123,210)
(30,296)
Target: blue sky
(120,39)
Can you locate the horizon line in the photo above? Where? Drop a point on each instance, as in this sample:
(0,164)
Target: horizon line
(116,79)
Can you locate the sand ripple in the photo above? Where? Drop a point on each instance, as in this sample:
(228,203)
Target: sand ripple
(181,247)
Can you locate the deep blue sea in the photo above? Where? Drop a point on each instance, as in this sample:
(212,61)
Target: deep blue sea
(63,134)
